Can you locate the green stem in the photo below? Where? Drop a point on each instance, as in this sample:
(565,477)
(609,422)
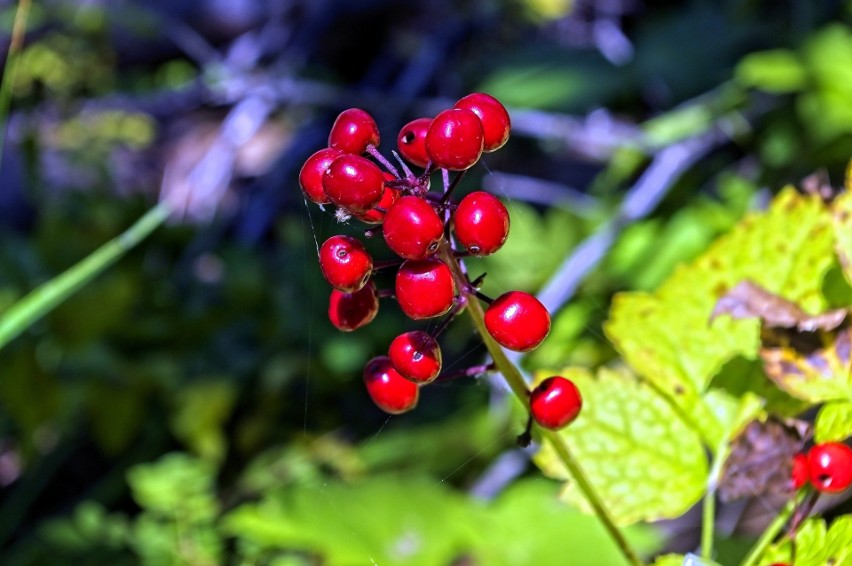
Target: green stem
(518,386)
(47,296)
(708,519)
(19,27)
(773,529)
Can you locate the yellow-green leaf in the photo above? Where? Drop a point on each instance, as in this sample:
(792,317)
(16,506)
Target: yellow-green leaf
(816,544)
(834,422)
(633,446)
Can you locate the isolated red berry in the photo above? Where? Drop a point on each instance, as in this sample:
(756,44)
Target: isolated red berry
(496,123)
(454,139)
(353,183)
(310,177)
(389,390)
(376,215)
(350,311)
(830,467)
(416,356)
(799,472)
(345,263)
(411,141)
(412,228)
(481,223)
(425,288)
(555,402)
(517,321)
(353,130)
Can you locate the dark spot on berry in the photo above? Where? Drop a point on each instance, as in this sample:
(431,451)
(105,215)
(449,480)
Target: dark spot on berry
(474,249)
(341,253)
(417,356)
(408,137)
(433,247)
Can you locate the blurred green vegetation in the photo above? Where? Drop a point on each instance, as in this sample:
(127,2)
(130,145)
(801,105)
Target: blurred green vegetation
(194,406)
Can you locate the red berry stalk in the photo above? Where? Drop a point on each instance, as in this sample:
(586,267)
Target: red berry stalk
(421,228)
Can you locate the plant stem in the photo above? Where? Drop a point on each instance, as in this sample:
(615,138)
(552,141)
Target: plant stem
(518,386)
(19,27)
(49,295)
(773,529)
(708,518)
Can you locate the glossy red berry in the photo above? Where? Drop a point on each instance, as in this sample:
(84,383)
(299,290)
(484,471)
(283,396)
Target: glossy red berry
(353,131)
(412,228)
(496,123)
(555,402)
(481,223)
(411,141)
(454,139)
(517,321)
(345,263)
(830,467)
(310,177)
(376,215)
(353,183)
(416,356)
(425,288)
(389,390)
(799,472)
(348,312)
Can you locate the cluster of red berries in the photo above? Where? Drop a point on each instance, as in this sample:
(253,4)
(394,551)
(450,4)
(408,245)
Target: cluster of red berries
(430,234)
(827,467)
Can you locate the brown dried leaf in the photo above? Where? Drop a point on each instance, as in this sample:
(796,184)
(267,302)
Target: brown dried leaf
(760,458)
(749,300)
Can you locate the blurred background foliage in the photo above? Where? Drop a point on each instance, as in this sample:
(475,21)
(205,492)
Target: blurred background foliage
(194,406)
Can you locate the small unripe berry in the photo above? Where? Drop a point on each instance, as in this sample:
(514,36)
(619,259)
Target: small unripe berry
(481,223)
(830,467)
(412,228)
(496,123)
(454,139)
(411,141)
(353,130)
(425,288)
(517,321)
(416,356)
(555,402)
(376,215)
(353,183)
(348,312)
(345,263)
(391,392)
(310,177)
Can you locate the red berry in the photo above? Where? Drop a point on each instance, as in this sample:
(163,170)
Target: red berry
(345,263)
(353,183)
(555,402)
(830,467)
(389,390)
(411,141)
(412,228)
(496,124)
(416,355)
(799,472)
(517,321)
(454,139)
(425,288)
(349,312)
(481,223)
(353,131)
(389,196)
(310,177)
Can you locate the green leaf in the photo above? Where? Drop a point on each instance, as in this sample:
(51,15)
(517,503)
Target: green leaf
(816,544)
(777,70)
(834,422)
(201,411)
(682,560)
(841,210)
(507,536)
(385,520)
(666,337)
(633,446)
(175,485)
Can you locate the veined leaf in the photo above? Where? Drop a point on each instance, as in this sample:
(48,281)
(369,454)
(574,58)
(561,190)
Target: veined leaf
(834,422)
(816,544)
(633,446)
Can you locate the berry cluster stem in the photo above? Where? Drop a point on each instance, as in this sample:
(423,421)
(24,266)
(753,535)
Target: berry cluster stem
(773,529)
(519,387)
